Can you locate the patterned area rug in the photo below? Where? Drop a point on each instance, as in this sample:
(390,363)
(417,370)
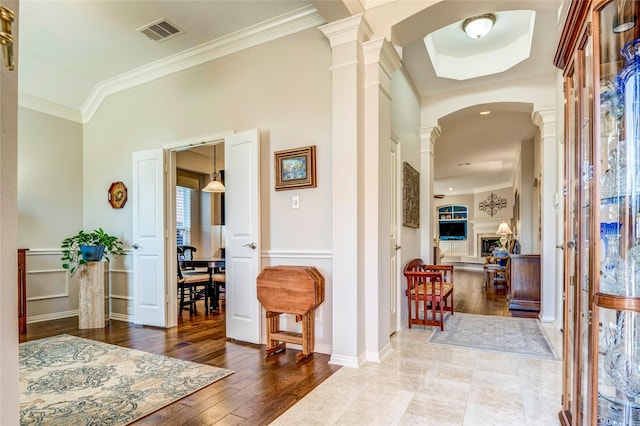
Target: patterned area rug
(68,380)
(515,336)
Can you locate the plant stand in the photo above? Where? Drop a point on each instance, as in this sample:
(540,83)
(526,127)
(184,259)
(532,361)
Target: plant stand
(91,303)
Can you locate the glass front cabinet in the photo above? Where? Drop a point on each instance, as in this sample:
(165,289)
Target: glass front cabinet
(599,53)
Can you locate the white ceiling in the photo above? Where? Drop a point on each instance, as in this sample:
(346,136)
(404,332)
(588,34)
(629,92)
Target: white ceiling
(73,52)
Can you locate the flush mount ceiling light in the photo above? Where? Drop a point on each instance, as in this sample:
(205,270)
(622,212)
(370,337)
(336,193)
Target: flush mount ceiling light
(479,26)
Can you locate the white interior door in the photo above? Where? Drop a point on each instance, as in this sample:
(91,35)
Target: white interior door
(242,234)
(149,289)
(394,260)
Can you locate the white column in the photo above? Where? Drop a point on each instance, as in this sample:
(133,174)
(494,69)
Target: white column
(428,137)
(546,120)
(348,311)
(381,60)
(9,395)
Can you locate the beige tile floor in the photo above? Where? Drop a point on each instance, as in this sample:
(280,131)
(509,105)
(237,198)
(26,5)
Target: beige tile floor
(423,384)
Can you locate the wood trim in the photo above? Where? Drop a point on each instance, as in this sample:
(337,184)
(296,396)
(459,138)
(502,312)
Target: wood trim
(618,303)
(576,17)
(565,418)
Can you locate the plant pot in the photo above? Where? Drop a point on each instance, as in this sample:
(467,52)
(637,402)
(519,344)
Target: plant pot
(92,253)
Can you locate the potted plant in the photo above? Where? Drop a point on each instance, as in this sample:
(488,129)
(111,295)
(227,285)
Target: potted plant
(86,247)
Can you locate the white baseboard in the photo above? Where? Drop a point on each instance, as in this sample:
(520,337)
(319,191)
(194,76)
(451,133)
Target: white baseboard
(122,317)
(379,356)
(348,361)
(49,317)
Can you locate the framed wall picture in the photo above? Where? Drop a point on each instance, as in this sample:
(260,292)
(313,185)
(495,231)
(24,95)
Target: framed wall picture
(295,168)
(410,196)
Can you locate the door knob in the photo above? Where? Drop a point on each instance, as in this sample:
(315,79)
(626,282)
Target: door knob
(398,247)
(250,245)
(135,246)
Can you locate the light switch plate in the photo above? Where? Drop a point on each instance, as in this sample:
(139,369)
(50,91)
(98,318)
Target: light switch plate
(295,202)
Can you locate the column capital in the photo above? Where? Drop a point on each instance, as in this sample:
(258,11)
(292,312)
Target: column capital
(428,137)
(347,30)
(382,52)
(545,119)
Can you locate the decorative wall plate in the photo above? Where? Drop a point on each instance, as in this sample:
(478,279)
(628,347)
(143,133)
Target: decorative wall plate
(117,195)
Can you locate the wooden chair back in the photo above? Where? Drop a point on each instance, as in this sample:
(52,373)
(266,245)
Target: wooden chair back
(427,291)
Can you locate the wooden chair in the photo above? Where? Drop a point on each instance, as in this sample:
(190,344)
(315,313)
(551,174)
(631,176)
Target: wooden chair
(495,270)
(427,288)
(219,279)
(185,256)
(188,292)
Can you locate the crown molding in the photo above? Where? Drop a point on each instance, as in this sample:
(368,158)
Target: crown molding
(282,26)
(298,20)
(48,107)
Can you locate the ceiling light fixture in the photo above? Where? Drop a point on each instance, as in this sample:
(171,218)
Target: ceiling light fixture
(479,26)
(214,185)
(624,23)
(485,112)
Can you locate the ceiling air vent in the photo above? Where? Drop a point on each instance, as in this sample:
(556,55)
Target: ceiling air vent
(160,30)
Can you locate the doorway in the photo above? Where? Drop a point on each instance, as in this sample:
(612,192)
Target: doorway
(154,183)
(199,223)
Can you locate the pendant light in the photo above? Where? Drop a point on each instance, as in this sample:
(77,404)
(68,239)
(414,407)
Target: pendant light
(214,185)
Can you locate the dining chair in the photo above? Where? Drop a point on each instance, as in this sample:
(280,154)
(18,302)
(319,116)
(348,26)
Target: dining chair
(189,292)
(219,279)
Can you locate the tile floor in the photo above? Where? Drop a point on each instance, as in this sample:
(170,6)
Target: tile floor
(423,384)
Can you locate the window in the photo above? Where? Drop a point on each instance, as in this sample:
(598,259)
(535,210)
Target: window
(183,215)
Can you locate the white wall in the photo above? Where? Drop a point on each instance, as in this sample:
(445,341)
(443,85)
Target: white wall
(539,90)
(405,124)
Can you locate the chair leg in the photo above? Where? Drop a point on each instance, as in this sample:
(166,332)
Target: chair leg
(181,304)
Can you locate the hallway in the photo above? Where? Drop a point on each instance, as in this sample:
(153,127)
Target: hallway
(425,384)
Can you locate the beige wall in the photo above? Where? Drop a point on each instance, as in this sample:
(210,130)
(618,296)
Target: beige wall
(9,396)
(49,179)
(49,208)
(286,96)
(405,124)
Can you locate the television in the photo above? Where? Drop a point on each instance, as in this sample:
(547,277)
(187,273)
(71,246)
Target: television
(453,230)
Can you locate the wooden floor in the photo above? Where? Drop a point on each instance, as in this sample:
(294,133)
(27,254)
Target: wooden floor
(261,388)
(259,391)
(472,297)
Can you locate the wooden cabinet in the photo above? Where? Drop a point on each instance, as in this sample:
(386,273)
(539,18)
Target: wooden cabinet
(598,52)
(453,248)
(452,222)
(22,291)
(524,282)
